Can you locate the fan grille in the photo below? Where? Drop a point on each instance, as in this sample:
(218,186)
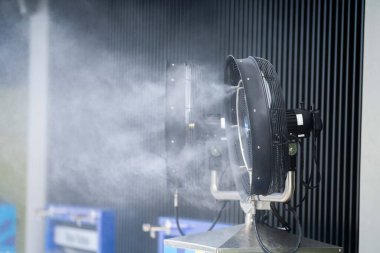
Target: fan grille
(235,100)
(276,105)
(248,162)
(244,134)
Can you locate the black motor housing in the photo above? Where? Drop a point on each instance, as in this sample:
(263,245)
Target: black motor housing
(302,122)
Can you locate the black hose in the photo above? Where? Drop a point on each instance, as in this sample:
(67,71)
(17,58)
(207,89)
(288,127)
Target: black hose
(176,210)
(218,216)
(315,163)
(264,248)
(215,221)
(315,158)
(279,217)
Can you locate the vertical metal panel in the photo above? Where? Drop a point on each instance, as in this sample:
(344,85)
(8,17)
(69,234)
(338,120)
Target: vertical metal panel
(316,46)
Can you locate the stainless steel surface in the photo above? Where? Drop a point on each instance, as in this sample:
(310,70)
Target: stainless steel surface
(280,197)
(241,239)
(221,195)
(248,220)
(248,206)
(262,205)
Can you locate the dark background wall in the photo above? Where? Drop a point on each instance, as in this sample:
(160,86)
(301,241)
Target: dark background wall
(107,102)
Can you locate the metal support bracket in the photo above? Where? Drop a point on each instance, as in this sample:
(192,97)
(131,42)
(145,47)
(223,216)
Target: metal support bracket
(280,197)
(221,195)
(259,202)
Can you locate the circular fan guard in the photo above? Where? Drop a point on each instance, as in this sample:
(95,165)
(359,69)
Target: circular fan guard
(256,127)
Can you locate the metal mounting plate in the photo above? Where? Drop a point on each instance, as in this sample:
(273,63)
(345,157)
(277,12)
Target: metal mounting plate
(241,239)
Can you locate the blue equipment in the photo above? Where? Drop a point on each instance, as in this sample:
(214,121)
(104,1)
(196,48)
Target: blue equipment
(79,230)
(7,228)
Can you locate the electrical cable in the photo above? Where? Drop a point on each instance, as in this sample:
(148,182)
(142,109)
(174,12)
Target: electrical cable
(176,210)
(315,157)
(279,217)
(216,219)
(264,248)
(176,214)
(262,216)
(302,200)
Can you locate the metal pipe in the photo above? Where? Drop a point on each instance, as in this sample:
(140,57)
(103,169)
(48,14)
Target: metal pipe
(221,195)
(280,197)
(248,219)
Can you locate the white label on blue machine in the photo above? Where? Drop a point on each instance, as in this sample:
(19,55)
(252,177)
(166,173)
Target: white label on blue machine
(77,238)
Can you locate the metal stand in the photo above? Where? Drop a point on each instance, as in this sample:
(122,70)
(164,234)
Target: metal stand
(241,239)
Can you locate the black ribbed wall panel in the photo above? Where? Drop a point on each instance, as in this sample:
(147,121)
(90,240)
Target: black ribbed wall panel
(316,47)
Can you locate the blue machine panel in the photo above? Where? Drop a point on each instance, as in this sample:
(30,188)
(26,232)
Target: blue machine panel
(188,226)
(80,230)
(174,250)
(7,228)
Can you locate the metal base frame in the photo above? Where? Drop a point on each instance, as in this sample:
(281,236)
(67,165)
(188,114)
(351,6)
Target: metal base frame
(241,239)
